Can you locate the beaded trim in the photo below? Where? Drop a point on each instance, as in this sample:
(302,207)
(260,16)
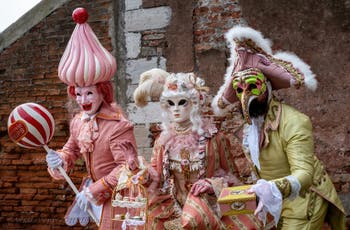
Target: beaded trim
(298,79)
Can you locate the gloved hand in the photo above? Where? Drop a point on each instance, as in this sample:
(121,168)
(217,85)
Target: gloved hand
(202,186)
(133,163)
(53,160)
(82,200)
(270,200)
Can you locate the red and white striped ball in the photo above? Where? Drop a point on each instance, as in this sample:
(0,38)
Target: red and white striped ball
(30,125)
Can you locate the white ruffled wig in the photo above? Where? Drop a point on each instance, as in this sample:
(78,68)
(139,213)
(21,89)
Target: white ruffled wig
(175,85)
(184,85)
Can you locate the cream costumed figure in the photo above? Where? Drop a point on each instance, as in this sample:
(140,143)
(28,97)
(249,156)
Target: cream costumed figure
(192,160)
(292,184)
(100,133)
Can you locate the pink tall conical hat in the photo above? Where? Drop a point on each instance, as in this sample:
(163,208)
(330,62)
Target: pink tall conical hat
(85,61)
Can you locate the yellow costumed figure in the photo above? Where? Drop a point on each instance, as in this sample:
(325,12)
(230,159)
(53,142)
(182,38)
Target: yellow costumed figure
(292,184)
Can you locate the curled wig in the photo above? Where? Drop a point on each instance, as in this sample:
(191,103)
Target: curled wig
(163,85)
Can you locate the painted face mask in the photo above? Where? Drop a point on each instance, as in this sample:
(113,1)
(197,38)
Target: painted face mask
(249,85)
(180,109)
(89,99)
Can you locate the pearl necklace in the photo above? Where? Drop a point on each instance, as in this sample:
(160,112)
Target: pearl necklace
(183,128)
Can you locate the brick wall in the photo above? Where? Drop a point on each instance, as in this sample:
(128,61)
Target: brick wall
(30,199)
(211,20)
(179,36)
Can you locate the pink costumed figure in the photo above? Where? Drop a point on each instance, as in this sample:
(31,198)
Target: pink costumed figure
(100,133)
(192,160)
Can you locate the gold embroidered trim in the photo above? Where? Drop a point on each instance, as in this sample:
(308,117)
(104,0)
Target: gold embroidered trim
(174,224)
(186,169)
(221,103)
(115,116)
(105,184)
(284,186)
(251,45)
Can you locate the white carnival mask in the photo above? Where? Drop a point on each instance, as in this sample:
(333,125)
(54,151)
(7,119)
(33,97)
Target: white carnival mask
(180,109)
(89,99)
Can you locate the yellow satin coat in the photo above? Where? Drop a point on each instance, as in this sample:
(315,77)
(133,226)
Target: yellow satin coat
(287,149)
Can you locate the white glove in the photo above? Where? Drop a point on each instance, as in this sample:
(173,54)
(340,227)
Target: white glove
(270,200)
(82,201)
(53,160)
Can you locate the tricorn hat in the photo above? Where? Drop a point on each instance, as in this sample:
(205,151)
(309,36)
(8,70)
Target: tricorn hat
(249,49)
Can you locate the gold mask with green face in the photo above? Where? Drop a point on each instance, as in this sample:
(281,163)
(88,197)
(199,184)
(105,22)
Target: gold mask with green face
(248,85)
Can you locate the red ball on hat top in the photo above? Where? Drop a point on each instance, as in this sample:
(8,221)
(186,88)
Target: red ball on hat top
(80,15)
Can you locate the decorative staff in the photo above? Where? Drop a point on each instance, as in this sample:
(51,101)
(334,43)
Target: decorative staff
(31,125)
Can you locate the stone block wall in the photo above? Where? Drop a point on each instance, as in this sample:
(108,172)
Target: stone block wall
(145,30)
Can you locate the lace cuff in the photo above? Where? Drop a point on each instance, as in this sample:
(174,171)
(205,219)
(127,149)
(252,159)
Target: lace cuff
(295,187)
(271,198)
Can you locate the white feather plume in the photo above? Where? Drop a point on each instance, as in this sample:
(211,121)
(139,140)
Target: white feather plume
(244,33)
(309,77)
(151,85)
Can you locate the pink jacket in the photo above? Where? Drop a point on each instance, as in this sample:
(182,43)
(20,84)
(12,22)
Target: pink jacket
(113,142)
